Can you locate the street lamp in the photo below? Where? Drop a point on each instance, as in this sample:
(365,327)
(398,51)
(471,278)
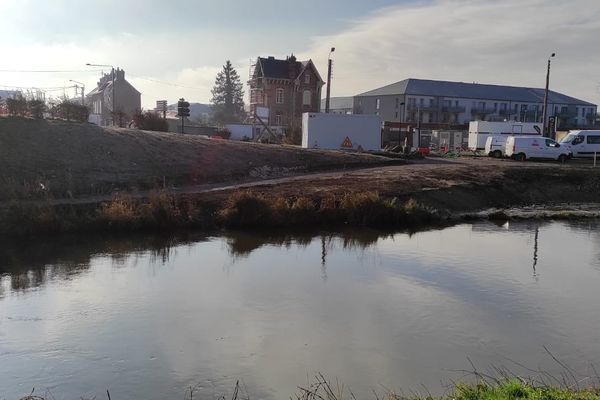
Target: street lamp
(545,114)
(329,62)
(82,91)
(113,86)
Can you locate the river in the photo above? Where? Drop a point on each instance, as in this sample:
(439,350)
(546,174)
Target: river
(149,316)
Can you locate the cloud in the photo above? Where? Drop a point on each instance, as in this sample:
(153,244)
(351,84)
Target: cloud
(502,42)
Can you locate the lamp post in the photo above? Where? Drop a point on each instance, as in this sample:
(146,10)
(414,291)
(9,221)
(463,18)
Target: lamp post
(82,91)
(112,72)
(545,113)
(419,126)
(329,62)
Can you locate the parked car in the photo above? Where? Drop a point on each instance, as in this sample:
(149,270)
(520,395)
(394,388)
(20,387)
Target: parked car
(537,147)
(495,146)
(583,143)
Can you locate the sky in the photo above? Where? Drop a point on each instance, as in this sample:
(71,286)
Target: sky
(173,49)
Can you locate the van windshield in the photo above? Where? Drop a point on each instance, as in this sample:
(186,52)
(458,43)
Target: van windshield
(569,138)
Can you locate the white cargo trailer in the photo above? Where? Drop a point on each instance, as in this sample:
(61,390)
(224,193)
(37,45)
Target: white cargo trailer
(479,131)
(341,131)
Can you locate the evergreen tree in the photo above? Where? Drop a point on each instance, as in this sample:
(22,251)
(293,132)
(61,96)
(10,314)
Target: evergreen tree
(228,96)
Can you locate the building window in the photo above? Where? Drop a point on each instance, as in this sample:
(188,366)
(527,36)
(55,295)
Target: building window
(412,101)
(278,119)
(306,98)
(397,102)
(396,114)
(307,77)
(279,96)
(256,96)
(377,104)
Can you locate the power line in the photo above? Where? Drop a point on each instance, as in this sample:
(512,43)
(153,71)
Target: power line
(164,82)
(49,71)
(37,88)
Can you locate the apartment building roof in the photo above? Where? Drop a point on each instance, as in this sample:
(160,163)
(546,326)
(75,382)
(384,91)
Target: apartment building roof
(426,87)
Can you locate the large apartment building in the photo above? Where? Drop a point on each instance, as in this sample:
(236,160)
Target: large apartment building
(287,88)
(457,103)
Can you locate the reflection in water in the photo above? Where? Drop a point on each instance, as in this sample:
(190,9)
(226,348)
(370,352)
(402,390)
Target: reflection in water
(149,316)
(27,264)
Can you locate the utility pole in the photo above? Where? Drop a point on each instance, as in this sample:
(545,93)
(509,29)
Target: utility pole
(82,91)
(545,113)
(329,64)
(419,126)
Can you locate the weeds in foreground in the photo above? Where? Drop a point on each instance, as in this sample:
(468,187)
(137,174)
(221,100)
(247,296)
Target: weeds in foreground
(323,389)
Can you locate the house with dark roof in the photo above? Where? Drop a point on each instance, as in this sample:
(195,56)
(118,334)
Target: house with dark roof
(127,99)
(287,88)
(457,103)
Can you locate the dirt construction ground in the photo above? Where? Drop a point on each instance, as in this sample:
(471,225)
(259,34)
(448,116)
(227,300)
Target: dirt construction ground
(463,184)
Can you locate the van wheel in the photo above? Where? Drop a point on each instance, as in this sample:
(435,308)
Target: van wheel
(520,157)
(497,154)
(562,158)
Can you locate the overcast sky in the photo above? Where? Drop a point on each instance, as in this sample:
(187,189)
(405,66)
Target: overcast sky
(161,44)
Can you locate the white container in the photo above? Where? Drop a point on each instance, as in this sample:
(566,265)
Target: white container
(479,131)
(341,131)
(240,131)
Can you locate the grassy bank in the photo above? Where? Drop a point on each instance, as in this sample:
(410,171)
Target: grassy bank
(40,158)
(276,206)
(509,389)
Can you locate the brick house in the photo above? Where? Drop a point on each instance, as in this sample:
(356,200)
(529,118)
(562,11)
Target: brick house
(287,88)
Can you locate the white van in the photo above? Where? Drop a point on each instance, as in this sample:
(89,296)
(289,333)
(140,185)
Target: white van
(495,146)
(583,143)
(524,147)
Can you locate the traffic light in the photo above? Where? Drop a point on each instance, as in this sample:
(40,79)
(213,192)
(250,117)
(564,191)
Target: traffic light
(183,108)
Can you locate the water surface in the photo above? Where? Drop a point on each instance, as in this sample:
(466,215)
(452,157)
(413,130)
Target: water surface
(148,317)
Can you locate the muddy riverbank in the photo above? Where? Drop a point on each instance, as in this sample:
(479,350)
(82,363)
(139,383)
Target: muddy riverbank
(396,197)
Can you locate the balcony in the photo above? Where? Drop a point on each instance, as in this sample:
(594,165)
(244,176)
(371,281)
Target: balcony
(423,107)
(507,112)
(567,114)
(482,110)
(453,109)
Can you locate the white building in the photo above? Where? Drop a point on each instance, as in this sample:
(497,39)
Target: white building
(458,103)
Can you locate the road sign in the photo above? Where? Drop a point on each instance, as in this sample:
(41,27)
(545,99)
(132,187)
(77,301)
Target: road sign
(347,143)
(161,105)
(183,108)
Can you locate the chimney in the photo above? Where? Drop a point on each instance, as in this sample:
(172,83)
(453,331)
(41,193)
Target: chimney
(292,67)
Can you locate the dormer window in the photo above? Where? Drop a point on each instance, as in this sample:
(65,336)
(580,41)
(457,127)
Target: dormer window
(307,77)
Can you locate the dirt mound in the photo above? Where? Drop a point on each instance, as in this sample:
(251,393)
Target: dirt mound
(61,159)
